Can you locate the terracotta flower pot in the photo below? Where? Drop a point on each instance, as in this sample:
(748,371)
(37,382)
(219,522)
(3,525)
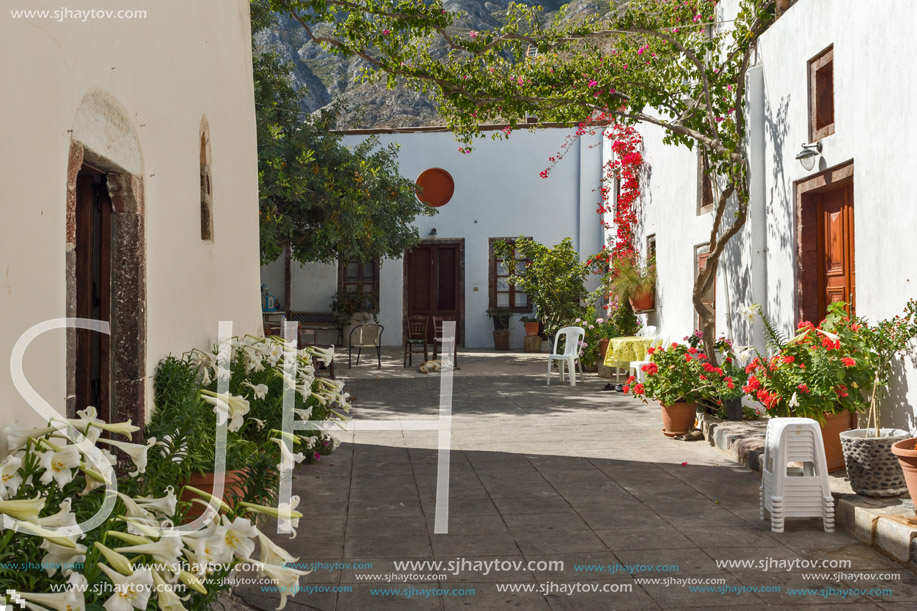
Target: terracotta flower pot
(234,487)
(603,348)
(907,457)
(643,301)
(831,430)
(531,328)
(678,418)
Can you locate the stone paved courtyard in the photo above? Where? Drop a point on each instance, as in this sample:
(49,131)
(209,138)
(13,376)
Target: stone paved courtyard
(554,473)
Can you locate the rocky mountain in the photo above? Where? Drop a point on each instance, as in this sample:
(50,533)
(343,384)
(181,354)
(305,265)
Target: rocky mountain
(324,78)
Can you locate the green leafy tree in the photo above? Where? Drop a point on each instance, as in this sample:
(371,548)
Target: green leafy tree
(661,62)
(552,278)
(324,201)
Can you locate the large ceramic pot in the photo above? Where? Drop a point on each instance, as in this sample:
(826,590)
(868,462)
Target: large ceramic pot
(501,322)
(906,451)
(233,489)
(643,302)
(501,339)
(531,328)
(831,430)
(871,467)
(678,418)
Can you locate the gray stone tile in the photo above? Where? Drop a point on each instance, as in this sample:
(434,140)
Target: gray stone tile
(562,521)
(389,546)
(409,597)
(486,598)
(532,504)
(559,542)
(491,544)
(662,538)
(390,526)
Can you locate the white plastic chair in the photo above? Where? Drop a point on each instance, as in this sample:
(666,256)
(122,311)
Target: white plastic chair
(572,338)
(635,368)
(647,331)
(793,491)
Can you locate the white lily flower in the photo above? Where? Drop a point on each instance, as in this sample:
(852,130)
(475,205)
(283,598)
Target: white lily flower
(25,510)
(305,390)
(832,336)
(59,556)
(144,527)
(227,406)
(259,389)
(325,355)
(132,509)
(17,435)
(59,465)
(287,457)
(121,428)
(285,512)
(209,552)
(131,591)
(286,579)
(70,600)
(794,401)
(271,553)
(164,505)
(136,451)
(63,518)
(10,480)
(260,423)
(305,414)
(749,311)
(238,536)
(166,550)
(166,597)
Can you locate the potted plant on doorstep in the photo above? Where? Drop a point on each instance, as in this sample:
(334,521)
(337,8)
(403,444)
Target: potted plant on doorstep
(500,317)
(352,308)
(635,283)
(680,377)
(872,468)
(818,373)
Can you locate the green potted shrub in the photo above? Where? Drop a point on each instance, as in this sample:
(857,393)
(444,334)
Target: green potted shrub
(679,377)
(500,317)
(635,283)
(552,278)
(352,308)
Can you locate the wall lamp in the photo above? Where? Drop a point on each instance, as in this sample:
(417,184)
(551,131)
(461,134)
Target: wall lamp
(433,232)
(809,154)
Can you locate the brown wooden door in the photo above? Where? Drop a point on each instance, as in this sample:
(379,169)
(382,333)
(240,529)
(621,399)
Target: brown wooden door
(837,280)
(93,291)
(434,282)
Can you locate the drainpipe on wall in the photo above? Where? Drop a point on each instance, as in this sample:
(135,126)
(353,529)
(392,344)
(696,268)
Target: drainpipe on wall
(578,200)
(757,186)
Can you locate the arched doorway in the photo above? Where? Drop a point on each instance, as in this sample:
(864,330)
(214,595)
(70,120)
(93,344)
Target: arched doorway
(106,262)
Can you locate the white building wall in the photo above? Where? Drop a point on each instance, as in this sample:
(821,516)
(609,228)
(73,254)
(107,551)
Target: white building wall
(181,62)
(874,91)
(498,193)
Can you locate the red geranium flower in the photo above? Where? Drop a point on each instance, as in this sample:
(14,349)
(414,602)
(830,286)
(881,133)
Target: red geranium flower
(803,388)
(626,389)
(789,359)
(692,350)
(848,362)
(638,389)
(687,357)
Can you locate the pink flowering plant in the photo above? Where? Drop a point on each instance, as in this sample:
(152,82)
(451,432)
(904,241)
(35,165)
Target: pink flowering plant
(824,369)
(620,322)
(682,373)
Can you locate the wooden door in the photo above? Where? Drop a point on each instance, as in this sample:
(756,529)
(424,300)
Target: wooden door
(93,291)
(434,282)
(837,280)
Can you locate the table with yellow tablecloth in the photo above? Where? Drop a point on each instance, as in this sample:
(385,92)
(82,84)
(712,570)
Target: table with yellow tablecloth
(624,350)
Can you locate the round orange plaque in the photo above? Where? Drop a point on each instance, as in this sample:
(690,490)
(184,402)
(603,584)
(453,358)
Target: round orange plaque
(435,187)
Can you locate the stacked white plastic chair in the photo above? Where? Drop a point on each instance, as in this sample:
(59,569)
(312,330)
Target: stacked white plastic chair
(794,481)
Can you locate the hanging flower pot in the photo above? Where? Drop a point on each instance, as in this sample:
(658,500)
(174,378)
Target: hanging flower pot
(871,467)
(678,418)
(907,457)
(643,302)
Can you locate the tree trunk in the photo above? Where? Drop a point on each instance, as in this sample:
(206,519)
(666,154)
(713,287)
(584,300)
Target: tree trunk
(287,280)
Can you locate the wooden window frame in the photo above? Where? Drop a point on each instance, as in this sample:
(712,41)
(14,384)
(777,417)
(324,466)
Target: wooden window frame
(343,283)
(705,203)
(493,277)
(817,64)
